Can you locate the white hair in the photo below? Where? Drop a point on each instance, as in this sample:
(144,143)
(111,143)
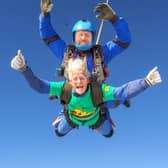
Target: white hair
(77,65)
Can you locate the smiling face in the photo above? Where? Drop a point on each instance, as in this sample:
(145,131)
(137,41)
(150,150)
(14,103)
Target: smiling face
(79,82)
(83,37)
(78,75)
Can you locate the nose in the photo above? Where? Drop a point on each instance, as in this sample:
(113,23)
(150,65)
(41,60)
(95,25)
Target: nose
(78,80)
(83,37)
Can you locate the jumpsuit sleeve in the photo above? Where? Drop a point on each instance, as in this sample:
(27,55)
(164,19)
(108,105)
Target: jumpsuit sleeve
(51,38)
(119,43)
(130,89)
(39,85)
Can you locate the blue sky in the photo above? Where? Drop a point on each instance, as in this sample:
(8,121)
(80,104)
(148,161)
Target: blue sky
(26,135)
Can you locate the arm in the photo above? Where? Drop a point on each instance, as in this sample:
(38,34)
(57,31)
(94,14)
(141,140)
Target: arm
(36,83)
(47,32)
(133,88)
(120,43)
(123,37)
(130,89)
(18,63)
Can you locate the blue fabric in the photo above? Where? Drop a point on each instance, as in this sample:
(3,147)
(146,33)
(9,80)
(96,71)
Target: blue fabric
(130,89)
(126,91)
(110,49)
(46,29)
(121,27)
(41,86)
(63,127)
(106,127)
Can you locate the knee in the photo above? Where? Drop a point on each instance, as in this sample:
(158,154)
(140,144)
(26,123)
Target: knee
(59,134)
(110,134)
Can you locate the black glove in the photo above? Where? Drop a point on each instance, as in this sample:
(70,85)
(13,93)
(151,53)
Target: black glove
(46,7)
(106,12)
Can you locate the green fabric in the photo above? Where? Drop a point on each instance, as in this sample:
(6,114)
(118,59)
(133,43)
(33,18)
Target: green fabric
(108,92)
(84,106)
(81,109)
(56,88)
(88,122)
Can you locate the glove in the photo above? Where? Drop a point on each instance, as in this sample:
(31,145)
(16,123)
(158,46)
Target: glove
(18,62)
(106,12)
(46,7)
(153,77)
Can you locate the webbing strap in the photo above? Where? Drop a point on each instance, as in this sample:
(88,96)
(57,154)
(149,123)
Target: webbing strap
(66,93)
(73,125)
(96,93)
(51,39)
(102,118)
(122,45)
(98,62)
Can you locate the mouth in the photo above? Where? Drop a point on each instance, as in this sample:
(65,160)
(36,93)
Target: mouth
(83,43)
(79,87)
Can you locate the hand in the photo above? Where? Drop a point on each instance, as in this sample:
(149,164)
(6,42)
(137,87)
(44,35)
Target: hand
(153,77)
(106,12)
(46,6)
(18,62)
(57,121)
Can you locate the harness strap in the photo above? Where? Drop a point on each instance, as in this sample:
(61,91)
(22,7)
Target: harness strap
(98,62)
(66,93)
(122,45)
(100,71)
(97,99)
(62,71)
(96,93)
(73,125)
(64,99)
(102,117)
(51,39)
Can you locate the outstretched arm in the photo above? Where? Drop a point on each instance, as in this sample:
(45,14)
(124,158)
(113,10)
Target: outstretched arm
(133,88)
(18,64)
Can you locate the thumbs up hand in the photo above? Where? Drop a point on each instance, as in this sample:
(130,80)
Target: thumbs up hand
(153,77)
(18,62)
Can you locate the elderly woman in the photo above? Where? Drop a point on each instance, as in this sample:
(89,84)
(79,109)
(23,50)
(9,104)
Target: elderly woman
(80,109)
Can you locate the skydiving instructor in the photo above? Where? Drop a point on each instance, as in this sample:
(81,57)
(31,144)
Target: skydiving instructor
(84,35)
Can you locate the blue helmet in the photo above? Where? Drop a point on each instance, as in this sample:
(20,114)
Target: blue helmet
(83,25)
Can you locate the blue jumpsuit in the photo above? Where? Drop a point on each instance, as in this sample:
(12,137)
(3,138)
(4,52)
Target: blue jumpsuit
(110,49)
(126,91)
